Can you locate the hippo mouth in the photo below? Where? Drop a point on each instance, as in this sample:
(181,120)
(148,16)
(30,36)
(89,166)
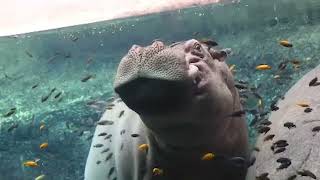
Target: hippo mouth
(198,77)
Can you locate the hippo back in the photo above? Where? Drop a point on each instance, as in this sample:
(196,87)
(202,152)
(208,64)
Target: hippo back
(301,151)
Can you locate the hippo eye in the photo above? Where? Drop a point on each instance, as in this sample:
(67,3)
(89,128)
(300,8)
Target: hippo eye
(197,46)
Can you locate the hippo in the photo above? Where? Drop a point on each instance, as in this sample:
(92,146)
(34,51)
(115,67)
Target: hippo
(176,116)
(291,148)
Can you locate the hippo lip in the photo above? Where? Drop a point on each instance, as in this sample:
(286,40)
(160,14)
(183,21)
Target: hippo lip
(198,77)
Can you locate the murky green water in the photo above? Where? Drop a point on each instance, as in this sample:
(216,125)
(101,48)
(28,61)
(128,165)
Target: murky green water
(32,65)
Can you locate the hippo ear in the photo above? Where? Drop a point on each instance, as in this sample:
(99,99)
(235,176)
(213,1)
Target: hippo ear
(220,55)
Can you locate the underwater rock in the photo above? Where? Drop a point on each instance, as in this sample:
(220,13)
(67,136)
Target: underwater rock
(302,143)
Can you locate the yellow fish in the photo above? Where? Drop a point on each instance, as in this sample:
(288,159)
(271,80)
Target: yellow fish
(232,67)
(43,145)
(263,67)
(207,157)
(285,43)
(30,164)
(41,177)
(42,127)
(276,76)
(157,171)
(143,147)
(303,104)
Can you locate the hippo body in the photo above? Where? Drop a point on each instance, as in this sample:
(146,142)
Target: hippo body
(176,107)
(302,146)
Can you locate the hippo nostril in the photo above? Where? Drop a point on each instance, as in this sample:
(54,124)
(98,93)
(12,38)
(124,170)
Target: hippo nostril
(193,60)
(197,53)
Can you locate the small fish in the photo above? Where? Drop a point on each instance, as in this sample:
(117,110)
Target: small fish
(121,147)
(195,33)
(238,113)
(12,127)
(285,43)
(42,126)
(313,81)
(122,131)
(44,145)
(89,60)
(232,67)
(143,147)
(34,86)
(269,137)
(109,157)
(280,141)
(295,62)
(102,134)
(289,125)
(284,144)
(265,122)
(41,177)
(30,164)
(279,150)
(282,66)
(273,106)
(86,78)
(256,149)
(240,86)
(260,103)
(263,67)
(111,171)
(307,173)
(207,156)
(303,104)
(263,176)
(45,98)
(98,145)
(283,160)
(105,122)
(121,113)
(157,172)
(74,38)
(263,129)
(292,177)
(252,161)
(276,77)
(52,58)
(67,55)
(209,42)
(316,129)
(28,53)
(108,137)
(10,112)
(105,150)
(284,165)
(57,95)
(134,135)
(264,113)
(307,110)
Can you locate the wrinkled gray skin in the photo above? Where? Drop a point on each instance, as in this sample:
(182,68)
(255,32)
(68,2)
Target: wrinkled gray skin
(177,98)
(304,145)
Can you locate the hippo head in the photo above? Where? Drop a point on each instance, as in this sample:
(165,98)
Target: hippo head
(185,86)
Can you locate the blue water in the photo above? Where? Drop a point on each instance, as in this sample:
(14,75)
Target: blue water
(60,58)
